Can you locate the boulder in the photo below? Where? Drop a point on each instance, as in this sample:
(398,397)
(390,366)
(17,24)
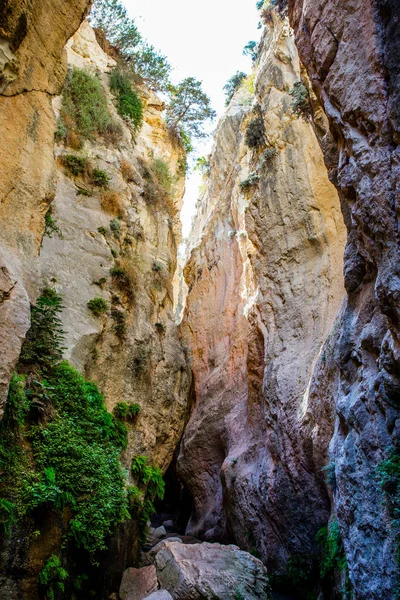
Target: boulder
(138,583)
(211,572)
(160,595)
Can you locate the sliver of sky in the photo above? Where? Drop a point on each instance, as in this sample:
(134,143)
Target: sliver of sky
(204,40)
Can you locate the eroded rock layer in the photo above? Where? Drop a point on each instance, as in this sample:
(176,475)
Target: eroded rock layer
(349,50)
(265,285)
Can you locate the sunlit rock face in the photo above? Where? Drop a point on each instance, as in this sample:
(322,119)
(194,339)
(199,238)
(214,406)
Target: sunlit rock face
(351,52)
(146,363)
(32,70)
(265,286)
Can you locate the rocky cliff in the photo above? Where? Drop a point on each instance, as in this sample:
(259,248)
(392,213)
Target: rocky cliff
(265,286)
(357,82)
(95,218)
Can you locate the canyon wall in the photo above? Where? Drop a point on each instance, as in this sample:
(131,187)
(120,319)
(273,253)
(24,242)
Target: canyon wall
(350,51)
(115,241)
(265,286)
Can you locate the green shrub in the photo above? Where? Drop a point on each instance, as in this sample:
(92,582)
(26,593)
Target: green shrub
(156,267)
(150,482)
(301,100)
(333,556)
(100,178)
(103,230)
(50,225)
(119,322)
(52,578)
(251,180)
(254,136)
(77,165)
(84,104)
(98,306)
(163,175)
(129,104)
(124,411)
(43,343)
(115,226)
(232,85)
(7,515)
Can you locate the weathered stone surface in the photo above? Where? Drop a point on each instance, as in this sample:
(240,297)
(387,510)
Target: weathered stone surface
(210,571)
(160,595)
(14,323)
(146,365)
(32,69)
(265,285)
(138,583)
(358,85)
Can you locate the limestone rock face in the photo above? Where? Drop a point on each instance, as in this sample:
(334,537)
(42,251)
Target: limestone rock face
(133,351)
(265,286)
(358,86)
(210,571)
(32,70)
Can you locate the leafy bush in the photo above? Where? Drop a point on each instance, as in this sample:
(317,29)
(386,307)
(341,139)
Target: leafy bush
(251,180)
(189,109)
(301,100)
(50,225)
(232,85)
(251,49)
(77,165)
(84,105)
(7,515)
(333,556)
(129,104)
(98,306)
(52,578)
(100,177)
(119,322)
(124,411)
(43,348)
(115,227)
(103,231)
(254,136)
(163,175)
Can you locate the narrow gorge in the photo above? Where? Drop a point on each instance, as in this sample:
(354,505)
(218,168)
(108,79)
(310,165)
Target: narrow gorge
(219,418)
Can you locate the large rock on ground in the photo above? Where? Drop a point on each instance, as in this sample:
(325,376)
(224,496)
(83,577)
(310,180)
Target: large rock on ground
(138,583)
(210,571)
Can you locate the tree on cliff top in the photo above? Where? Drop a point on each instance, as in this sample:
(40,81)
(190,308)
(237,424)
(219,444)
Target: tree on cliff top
(232,85)
(189,108)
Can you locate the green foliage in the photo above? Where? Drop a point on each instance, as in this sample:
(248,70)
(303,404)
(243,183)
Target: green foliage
(251,50)
(7,515)
(333,556)
(77,457)
(103,231)
(98,306)
(61,131)
(267,156)
(129,104)
(124,411)
(330,475)
(163,175)
(77,165)
(17,401)
(232,85)
(84,104)
(152,66)
(112,18)
(50,225)
(152,487)
(301,100)
(203,166)
(115,226)
(100,178)
(254,136)
(52,578)
(251,180)
(189,108)
(42,348)
(119,319)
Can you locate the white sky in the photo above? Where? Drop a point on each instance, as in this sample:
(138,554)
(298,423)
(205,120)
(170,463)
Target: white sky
(203,40)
